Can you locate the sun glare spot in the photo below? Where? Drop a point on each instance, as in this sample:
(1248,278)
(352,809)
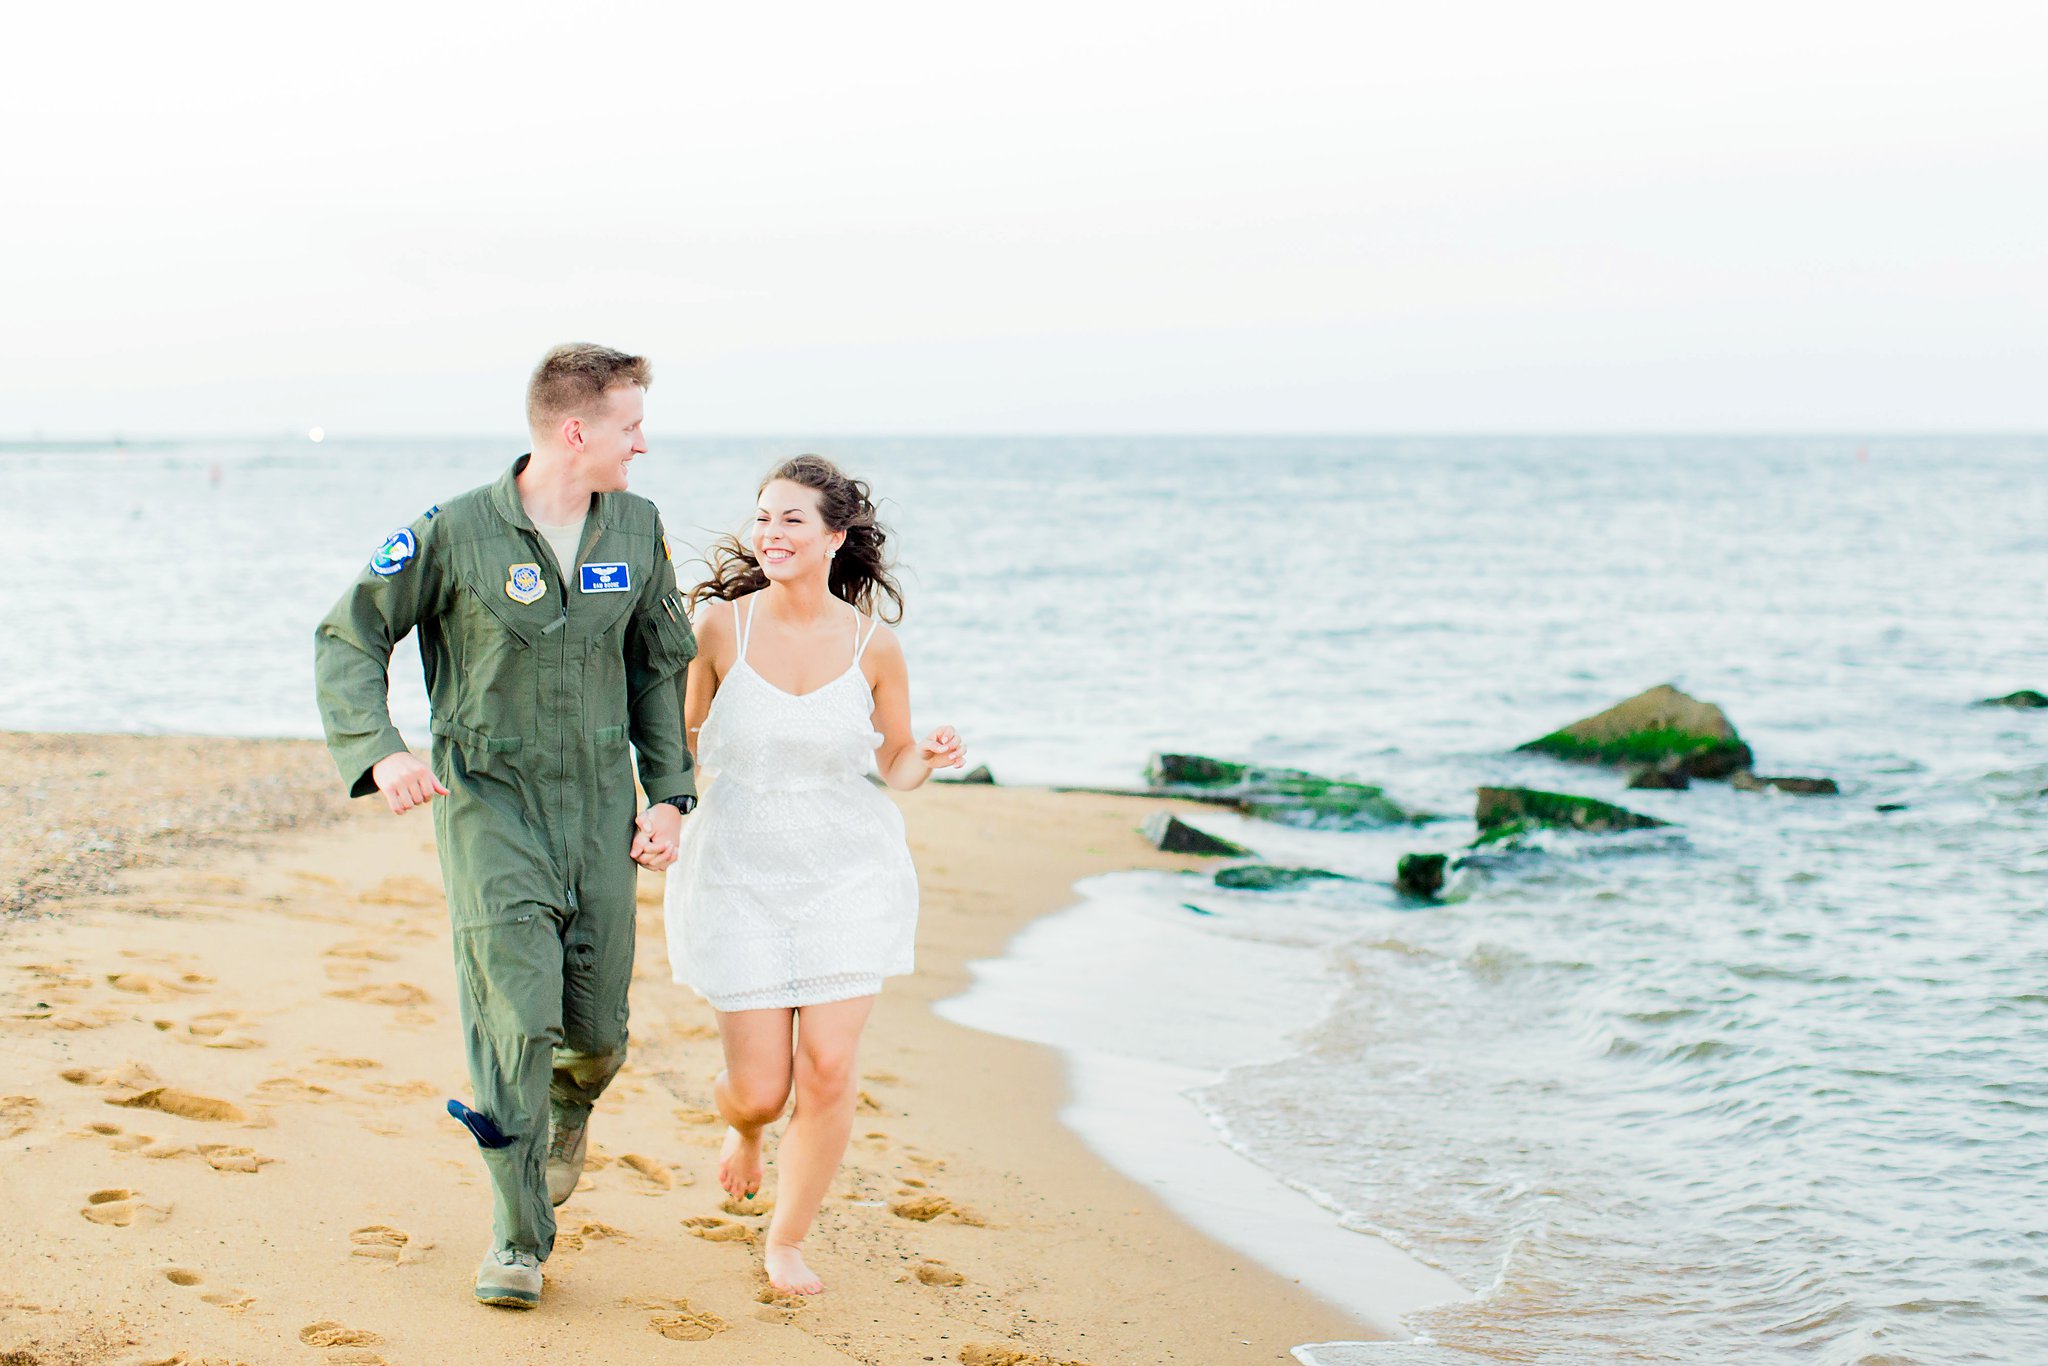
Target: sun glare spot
(316,434)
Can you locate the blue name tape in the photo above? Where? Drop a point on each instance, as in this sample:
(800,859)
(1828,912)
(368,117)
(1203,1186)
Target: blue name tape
(607,578)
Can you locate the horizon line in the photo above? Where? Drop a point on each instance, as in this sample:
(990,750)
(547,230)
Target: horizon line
(124,438)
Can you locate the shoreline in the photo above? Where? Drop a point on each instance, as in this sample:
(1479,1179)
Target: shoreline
(224,1136)
(1136,1061)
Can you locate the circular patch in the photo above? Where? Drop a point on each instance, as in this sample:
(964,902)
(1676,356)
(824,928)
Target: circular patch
(395,554)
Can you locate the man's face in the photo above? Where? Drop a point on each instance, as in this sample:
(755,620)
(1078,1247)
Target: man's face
(611,437)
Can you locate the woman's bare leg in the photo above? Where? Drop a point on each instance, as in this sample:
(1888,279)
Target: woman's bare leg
(827,1086)
(752,1090)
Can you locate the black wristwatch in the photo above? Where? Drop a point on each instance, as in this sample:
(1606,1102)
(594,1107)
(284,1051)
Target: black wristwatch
(683,804)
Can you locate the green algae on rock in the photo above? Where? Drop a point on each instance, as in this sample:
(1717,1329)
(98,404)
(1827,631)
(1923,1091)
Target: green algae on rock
(1661,727)
(1506,813)
(2025,697)
(1288,796)
(1264,877)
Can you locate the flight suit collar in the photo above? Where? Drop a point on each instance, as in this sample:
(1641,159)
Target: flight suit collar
(505,497)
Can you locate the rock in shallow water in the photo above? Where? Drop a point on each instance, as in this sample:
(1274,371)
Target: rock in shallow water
(1289,796)
(2025,697)
(1666,776)
(1420,874)
(1264,877)
(1746,781)
(1662,727)
(1175,836)
(1504,813)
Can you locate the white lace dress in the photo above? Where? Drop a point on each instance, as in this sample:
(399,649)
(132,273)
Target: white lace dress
(793,885)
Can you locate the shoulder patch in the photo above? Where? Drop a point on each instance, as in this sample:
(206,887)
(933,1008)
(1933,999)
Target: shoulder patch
(395,554)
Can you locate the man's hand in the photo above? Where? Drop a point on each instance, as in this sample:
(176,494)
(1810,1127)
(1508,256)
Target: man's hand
(405,782)
(660,830)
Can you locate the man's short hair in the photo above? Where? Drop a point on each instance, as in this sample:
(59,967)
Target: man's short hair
(571,380)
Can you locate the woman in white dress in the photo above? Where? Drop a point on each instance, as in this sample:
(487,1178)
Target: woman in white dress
(793,895)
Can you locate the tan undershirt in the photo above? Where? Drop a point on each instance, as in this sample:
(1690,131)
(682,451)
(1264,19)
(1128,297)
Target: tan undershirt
(565,541)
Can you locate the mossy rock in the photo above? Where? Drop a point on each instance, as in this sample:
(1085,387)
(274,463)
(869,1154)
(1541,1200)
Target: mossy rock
(1264,877)
(1421,875)
(1508,813)
(1288,796)
(1192,770)
(2025,697)
(1662,727)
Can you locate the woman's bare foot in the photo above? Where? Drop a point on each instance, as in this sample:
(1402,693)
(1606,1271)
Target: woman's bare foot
(739,1164)
(784,1263)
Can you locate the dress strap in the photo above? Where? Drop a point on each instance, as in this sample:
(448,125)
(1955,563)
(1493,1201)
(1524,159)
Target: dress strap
(860,644)
(746,623)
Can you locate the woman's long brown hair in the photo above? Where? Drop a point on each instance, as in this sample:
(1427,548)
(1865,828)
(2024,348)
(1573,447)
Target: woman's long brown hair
(859,572)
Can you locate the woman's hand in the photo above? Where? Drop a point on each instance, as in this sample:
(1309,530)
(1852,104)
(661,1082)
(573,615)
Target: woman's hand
(942,749)
(657,833)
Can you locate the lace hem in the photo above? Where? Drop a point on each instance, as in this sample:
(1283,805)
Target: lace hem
(812,991)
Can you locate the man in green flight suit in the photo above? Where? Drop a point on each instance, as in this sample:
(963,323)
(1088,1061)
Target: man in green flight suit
(552,633)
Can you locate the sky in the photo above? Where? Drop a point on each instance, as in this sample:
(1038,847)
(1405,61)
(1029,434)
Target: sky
(1062,217)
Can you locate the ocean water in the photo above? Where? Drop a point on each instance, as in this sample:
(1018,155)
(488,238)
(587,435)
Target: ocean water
(1767,1085)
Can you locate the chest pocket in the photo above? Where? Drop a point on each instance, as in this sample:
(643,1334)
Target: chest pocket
(666,642)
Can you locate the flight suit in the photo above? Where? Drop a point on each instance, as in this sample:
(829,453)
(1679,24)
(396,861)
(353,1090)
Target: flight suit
(538,675)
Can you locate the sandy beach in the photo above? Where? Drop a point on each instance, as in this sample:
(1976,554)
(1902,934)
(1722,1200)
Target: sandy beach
(228,1029)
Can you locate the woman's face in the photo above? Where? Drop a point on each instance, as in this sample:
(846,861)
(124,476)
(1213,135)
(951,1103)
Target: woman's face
(790,536)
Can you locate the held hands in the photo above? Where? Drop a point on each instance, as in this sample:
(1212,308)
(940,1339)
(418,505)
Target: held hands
(405,782)
(942,749)
(659,829)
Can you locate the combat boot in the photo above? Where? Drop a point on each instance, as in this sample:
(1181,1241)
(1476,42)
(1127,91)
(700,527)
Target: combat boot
(565,1159)
(509,1278)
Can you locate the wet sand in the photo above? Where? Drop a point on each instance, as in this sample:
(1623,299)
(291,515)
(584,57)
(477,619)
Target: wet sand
(228,1026)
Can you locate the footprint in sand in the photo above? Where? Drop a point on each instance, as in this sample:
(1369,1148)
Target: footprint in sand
(384,994)
(129,1076)
(222,1157)
(925,1208)
(656,1177)
(328,1333)
(383,1243)
(713,1229)
(934,1272)
(360,951)
(294,1088)
(119,1207)
(234,1301)
(760,1204)
(139,1089)
(786,1300)
(215,1029)
(699,1119)
(402,891)
(185,1104)
(160,988)
(575,1240)
(411,1090)
(17,1115)
(348,1064)
(677,1321)
(1002,1354)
